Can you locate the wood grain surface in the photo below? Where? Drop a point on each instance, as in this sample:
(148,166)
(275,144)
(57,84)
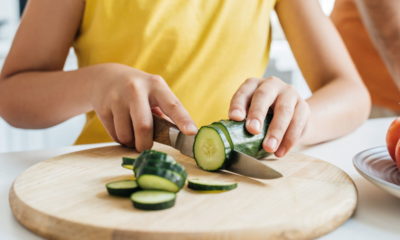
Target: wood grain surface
(65,198)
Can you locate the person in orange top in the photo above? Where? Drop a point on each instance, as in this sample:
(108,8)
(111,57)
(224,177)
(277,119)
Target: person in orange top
(195,61)
(371,32)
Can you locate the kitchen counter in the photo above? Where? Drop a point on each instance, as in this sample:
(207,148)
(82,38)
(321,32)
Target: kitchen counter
(377,215)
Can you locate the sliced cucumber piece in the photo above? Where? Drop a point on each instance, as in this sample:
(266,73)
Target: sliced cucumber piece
(211,148)
(128,163)
(172,166)
(160,179)
(223,129)
(209,185)
(152,155)
(153,200)
(122,188)
(127,166)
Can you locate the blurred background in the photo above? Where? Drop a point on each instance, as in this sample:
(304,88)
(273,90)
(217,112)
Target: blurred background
(282,64)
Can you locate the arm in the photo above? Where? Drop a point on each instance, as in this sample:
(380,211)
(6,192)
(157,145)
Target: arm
(35,92)
(382,21)
(341,102)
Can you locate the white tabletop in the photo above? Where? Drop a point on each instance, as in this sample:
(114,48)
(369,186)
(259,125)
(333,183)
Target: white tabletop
(377,215)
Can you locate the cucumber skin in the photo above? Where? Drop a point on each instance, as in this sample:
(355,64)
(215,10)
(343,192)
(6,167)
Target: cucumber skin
(169,175)
(227,148)
(157,206)
(157,159)
(128,161)
(122,192)
(153,155)
(245,142)
(172,166)
(154,206)
(202,187)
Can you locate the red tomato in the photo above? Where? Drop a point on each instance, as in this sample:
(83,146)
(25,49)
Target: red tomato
(392,137)
(398,154)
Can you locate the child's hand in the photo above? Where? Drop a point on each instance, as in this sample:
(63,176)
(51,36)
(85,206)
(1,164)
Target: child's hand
(123,98)
(291,112)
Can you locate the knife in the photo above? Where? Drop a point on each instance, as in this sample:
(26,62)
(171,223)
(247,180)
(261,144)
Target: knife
(167,133)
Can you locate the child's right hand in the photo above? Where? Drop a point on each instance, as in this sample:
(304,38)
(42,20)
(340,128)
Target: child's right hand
(123,98)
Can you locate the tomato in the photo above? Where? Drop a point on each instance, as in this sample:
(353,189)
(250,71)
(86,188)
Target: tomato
(392,137)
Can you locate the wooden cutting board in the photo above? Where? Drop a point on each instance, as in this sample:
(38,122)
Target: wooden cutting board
(65,198)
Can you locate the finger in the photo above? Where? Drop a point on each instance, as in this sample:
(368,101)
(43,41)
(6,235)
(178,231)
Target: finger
(123,125)
(241,99)
(142,119)
(107,120)
(174,109)
(263,97)
(295,129)
(158,112)
(283,114)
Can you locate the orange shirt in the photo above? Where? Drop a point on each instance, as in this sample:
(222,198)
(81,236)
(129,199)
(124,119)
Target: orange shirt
(376,77)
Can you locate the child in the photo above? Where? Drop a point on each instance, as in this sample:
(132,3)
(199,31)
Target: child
(371,31)
(183,58)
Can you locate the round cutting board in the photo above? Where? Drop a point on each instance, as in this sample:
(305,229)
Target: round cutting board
(65,198)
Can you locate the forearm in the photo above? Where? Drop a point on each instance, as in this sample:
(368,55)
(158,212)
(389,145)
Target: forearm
(44,99)
(382,20)
(334,115)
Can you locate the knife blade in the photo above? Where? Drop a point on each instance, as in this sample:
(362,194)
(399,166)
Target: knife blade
(167,133)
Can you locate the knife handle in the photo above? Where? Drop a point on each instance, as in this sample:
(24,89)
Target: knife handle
(161,130)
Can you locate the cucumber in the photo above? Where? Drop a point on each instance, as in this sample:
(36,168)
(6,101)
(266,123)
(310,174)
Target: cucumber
(122,188)
(211,148)
(207,185)
(153,200)
(127,166)
(160,179)
(128,163)
(152,155)
(214,143)
(172,166)
(223,129)
(243,141)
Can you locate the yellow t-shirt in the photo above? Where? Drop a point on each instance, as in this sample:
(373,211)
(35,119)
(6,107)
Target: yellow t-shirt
(204,49)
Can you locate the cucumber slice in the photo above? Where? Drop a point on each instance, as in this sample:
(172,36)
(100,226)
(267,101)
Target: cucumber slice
(172,166)
(127,166)
(128,163)
(211,148)
(223,129)
(207,185)
(242,140)
(160,179)
(153,200)
(122,188)
(152,155)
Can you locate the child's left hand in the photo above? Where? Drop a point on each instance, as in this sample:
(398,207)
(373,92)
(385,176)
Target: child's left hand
(291,113)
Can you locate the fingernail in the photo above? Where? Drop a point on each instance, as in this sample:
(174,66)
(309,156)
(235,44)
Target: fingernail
(237,114)
(271,143)
(255,124)
(191,128)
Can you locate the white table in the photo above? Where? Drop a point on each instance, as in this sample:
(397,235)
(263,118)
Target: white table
(377,215)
